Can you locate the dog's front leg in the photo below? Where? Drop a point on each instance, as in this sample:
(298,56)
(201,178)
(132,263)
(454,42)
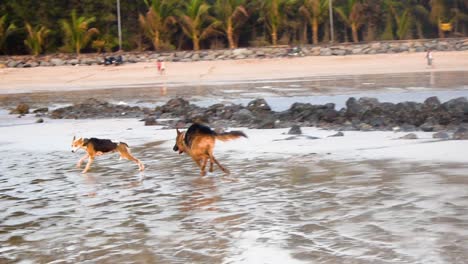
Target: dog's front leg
(78,165)
(90,161)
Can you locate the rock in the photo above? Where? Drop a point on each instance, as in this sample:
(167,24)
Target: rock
(265,123)
(428,126)
(92,108)
(432,102)
(244,116)
(295,130)
(441,135)
(40,120)
(460,134)
(258,106)
(21,109)
(13,64)
(364,127)
(339,134)
(57,62)
(150,121)
(41,110)
(239,52)
(325,52)
(409,136)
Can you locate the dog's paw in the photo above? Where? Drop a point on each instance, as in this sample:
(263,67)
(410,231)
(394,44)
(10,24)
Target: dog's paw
(84,171)
(78,165)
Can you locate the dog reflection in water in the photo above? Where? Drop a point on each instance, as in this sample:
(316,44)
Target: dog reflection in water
(96,147)
(198,142)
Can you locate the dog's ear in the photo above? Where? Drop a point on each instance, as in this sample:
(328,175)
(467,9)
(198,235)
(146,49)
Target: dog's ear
(178,132)
(73,140)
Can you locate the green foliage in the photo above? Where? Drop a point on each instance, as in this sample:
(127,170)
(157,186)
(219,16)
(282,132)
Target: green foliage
(6,29)
(196,22)
(157,21)
(36,38)
(230,15)
(315,12)
(77,32)
(173,24)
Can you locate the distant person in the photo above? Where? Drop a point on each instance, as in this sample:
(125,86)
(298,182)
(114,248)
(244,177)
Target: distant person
(161,67)
(429,57)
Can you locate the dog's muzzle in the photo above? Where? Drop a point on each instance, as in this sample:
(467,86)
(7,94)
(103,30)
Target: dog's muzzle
(176,148)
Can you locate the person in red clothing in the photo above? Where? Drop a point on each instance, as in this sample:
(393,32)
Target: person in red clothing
(161,67)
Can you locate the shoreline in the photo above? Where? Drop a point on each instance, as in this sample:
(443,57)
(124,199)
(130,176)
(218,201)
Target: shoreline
(202,73)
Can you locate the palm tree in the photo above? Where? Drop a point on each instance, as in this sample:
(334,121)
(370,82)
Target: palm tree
(274,14)
(315,11)
(438,10)
(405,18)
(193,19)
(352,15)
(460,18)
(5,30)
(230,15)
(156,21)
(77,32)
(36,38)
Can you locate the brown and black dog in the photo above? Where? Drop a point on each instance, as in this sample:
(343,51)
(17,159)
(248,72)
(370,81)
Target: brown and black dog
(198,142)
(96,147)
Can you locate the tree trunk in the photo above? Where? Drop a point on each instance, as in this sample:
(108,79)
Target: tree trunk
(274,36)
(304,37)
(196,43)
(156,41)
(355,33)
(371,29)
(230,37)
(315,30)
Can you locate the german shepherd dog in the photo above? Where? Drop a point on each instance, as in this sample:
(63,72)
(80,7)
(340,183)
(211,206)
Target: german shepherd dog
(198,142)
(96,147)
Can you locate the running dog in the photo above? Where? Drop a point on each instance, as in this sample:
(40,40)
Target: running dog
(198,142)
(96,147)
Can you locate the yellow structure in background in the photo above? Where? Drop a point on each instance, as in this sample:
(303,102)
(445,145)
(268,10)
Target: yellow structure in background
(445,26)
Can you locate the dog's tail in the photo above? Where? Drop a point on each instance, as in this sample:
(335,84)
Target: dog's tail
(230,135)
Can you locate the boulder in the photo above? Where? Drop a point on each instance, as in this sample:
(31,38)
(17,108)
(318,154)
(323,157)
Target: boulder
(409,136)
(20,109)
(295,130)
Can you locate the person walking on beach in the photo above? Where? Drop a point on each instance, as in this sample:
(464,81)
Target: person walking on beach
(429,57)
(161,66)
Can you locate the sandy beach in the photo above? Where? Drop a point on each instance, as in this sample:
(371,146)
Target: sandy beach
(65,78)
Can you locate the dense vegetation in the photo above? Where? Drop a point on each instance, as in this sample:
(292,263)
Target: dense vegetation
(45,26)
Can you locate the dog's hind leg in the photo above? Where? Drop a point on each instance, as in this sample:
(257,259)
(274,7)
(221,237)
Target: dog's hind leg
(125,154)
(211,165)
(78,165)
(219,165)
(88,165)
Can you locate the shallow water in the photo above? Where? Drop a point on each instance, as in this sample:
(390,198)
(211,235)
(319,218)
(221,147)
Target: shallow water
(299,209)
(295,210)
(280,93)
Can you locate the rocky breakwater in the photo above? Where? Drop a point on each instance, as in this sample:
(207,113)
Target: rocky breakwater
(363,114)
(93,108)
(380,47)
